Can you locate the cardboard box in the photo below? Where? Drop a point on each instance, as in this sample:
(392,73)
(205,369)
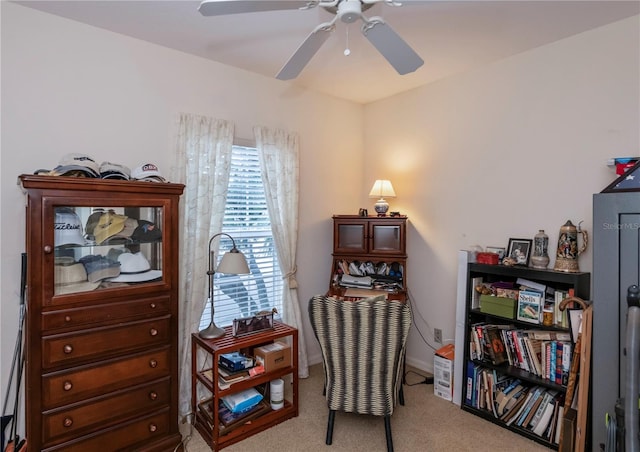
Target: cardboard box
(498,306)
(443,372)
(273,356)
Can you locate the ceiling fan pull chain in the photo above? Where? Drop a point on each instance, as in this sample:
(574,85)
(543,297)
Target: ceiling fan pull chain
(347,52)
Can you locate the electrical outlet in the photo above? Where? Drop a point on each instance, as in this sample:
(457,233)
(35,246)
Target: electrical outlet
(437,335)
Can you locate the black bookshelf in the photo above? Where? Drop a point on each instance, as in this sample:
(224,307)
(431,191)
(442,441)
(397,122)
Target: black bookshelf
(580,284)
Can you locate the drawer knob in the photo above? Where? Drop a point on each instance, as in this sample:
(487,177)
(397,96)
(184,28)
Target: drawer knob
(48,249)
(153,305)
(153,427)
(67,318)
(153,395)
(153,363)
(68,422)
(153,332)
(67,385)
(68,349)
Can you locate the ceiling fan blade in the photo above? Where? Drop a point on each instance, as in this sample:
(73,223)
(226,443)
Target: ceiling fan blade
(305,52)
(396,51)
(224,7)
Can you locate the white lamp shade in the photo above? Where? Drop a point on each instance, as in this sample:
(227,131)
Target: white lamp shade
(233,263)
(382,188)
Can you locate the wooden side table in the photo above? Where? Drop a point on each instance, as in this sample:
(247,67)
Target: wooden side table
(210,428)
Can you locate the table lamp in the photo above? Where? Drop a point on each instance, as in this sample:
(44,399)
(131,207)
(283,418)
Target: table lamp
(382,189)
(233,263)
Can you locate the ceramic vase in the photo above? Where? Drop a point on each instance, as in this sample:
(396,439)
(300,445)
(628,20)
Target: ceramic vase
(540,256)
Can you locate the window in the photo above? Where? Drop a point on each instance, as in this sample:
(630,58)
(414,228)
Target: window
(246,219)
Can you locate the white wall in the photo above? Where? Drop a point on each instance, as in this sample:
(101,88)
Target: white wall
(500,152)
(67,87)
(503,151)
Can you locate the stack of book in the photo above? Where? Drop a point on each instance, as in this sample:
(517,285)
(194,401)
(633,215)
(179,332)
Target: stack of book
(228,421)
(226,377)
(516,403)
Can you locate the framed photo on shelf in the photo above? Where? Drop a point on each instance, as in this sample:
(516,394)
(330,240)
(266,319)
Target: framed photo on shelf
(520,251)
(530,306)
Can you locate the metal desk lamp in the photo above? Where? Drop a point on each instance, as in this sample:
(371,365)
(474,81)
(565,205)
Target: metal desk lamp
(233,263)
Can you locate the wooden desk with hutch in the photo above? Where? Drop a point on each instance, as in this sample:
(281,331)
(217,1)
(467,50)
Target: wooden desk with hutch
(378,240)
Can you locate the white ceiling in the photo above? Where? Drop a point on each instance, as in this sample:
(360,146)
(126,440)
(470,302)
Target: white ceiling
(451,36)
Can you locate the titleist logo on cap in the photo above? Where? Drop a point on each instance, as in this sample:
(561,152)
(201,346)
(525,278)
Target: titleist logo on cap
(65,226)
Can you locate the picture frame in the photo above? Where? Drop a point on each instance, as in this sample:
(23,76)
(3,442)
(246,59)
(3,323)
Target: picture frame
(251,325)
(520,251)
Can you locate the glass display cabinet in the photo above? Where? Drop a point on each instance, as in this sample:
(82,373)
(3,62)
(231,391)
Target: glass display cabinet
(101,333)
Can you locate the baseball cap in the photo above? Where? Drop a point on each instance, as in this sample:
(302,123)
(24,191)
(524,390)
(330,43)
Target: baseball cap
(110,170)
(67,228)
(147,172)
(130,225)
(72,278)
(134,267)
(109,224)
(77,165)
(99,267)
(146,231)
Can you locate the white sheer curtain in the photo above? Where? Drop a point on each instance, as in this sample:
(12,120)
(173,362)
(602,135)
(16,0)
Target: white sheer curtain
(278,152)
(203,153)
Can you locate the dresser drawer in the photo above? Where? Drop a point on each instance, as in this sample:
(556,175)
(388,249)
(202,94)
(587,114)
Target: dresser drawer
(73,348)
(81,317)
(122,437)
(61,388)
(105,411)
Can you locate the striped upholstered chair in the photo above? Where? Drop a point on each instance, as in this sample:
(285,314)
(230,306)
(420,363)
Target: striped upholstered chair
(363,348)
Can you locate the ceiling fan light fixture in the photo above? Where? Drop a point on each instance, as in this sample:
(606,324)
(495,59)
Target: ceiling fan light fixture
(392,47)
(349,11)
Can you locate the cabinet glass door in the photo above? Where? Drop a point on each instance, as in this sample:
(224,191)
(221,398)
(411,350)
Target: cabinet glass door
(350,238)
(104,246)
(385,238)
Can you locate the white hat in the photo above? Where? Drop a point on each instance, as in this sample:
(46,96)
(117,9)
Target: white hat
(77,162)
(72,278)
(147,172)
(134,267)
(67,228)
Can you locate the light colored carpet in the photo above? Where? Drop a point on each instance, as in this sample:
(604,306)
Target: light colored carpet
(424,423)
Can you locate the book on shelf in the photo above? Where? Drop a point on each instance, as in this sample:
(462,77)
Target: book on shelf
(526,284)
(549,397)
(504,395)
(516,410)
(530,304)
(535,393)
(471,367)
(533,410)
(496,347)
(543,423)
(534,353)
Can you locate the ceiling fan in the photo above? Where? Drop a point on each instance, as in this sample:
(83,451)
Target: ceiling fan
(392,47)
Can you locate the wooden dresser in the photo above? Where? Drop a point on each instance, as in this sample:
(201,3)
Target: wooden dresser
(102,314)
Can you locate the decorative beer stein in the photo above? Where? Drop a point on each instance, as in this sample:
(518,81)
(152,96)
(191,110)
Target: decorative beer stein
(568,251)
(540,258)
